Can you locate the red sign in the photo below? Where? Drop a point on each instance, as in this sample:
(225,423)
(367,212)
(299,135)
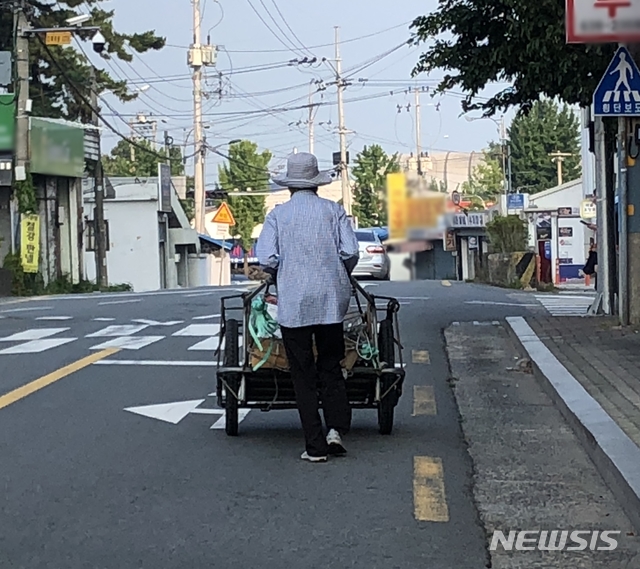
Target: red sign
(603,21)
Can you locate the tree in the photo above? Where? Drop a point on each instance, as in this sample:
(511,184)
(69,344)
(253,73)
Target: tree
(370,172)
(245,171)
(487,179)
(479,42)
(127,160)
(547,128)
(50,91)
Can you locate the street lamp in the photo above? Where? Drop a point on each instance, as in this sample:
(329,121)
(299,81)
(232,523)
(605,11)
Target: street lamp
(505,143)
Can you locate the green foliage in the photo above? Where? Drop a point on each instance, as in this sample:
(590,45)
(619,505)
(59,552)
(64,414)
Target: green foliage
(25,192)
(507,234)
(478,42)
(32,284)
(245,171)
(189,207)
(487,180)
(129,161)
(436,186)
(48,89)
(370,172)
(547,128)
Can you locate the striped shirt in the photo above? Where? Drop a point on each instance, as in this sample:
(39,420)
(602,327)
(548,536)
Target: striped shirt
(306,239)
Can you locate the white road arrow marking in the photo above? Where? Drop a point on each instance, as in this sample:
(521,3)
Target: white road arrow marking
(154,323)
(173,412)
(219,424)
(206,317)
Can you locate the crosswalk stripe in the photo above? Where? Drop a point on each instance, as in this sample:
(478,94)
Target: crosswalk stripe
(128,342)
(36,346)
(566,305)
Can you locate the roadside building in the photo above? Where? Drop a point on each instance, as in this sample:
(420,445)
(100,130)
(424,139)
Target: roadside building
(150,244)
(557,233)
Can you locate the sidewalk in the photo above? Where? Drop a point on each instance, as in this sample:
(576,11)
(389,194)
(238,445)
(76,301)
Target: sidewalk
(604,358)
(531,471)
(591,369)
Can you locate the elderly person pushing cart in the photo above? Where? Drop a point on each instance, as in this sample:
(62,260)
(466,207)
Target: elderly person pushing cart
(309,249)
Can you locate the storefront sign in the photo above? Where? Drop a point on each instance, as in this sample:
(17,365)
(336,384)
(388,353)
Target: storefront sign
(588,209)
(473,242)
(468,220)
(30,243)
(449,241)
(565,231)
(7,122)
(603,21)
(565,212)
(57,149)
(164,187)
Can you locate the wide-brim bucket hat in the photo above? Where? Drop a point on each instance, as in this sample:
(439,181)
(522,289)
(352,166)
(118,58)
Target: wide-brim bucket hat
(303,172)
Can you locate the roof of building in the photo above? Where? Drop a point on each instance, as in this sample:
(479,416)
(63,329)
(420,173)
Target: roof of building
(217,242)
(556,189)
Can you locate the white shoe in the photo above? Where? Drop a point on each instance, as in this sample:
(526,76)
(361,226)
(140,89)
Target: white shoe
(335,443)
(306,456)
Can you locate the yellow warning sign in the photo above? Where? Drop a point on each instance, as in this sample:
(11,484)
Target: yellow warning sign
(224,215)
(58,38)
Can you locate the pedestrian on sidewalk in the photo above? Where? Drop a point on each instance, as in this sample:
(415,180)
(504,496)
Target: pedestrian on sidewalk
(309,248)
(591,266)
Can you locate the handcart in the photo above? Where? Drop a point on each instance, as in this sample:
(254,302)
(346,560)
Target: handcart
(373,367)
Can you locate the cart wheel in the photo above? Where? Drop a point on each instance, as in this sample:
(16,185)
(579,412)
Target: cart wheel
(231,359)
(387,405)
(386,343)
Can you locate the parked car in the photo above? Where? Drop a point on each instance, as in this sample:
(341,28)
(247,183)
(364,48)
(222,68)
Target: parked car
(374,261)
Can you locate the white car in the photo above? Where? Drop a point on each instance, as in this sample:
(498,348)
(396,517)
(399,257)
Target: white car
(374,261)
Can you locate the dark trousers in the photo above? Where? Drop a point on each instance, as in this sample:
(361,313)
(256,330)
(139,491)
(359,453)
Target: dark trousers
(309,375)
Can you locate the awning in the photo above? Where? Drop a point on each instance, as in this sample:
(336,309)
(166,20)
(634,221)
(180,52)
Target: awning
(217,242)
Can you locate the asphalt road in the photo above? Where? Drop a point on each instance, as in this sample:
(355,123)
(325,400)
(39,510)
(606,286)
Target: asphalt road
(88,484)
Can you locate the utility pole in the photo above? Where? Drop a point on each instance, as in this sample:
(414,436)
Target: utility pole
(344,173)
(311,120)
(168,141)
(418,132)
(100,248)
(558,158)
(22,90)
(196,62)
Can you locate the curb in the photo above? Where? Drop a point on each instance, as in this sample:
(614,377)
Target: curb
(615,455)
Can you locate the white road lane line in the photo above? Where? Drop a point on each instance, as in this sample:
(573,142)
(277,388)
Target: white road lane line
(11,310)
(158,363)
(128,342)
(119,302)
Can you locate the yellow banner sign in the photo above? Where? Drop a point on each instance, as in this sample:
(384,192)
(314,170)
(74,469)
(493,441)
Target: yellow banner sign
(397,205)
(30,243)
(58,38)
(425,212)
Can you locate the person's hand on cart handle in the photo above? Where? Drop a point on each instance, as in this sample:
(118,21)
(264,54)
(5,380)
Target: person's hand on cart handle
(271,275)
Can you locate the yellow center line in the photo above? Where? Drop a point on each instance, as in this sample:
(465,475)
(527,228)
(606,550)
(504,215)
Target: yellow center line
(424,401)
(429,497)
(46,380)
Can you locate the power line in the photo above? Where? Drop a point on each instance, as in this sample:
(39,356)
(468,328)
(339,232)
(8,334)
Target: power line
(325,44)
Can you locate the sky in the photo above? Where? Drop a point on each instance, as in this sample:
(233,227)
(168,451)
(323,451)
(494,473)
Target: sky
(254,79)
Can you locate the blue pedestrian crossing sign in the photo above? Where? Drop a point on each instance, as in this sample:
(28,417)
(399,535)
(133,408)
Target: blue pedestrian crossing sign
(618,94)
